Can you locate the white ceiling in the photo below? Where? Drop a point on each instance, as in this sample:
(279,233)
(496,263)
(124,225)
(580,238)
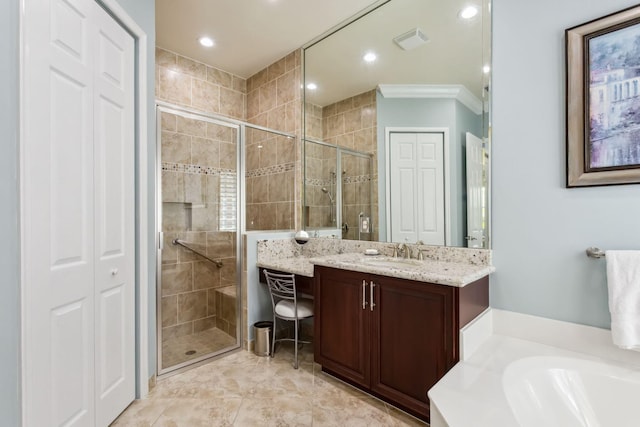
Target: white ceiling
(249,34)
(454,55)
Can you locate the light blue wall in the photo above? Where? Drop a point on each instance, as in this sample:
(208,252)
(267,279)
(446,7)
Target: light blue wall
(540,228)
(420,112)
(9,238)
(143,12)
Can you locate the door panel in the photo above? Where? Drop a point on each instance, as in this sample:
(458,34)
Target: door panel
(475,184)
(412,328)
(417,187)
(115,247)
(342,324)
(61,197)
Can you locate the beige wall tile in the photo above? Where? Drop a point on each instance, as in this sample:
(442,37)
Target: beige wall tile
(177,331)
(269,154)
(277,118)
(192,306)
(176,147)
(279,187)
(213,189)
(205,275)
(205,152)
(191,127)
(194,188)
(253,104)
(204,324)
(229,273)
(220,245)
(228,156)
(267,214)
(206,96)
(169,311)
(286,88)
(219,77)
(211,302)
(174,217)
(286,150)
(268,94)
(167,59)
(352,120)
(205,218)
(168,121)
(239,84)
(191,67)
(172,187)
(284,215)
(174,87)
(176,278)
(232,103)
(276,69)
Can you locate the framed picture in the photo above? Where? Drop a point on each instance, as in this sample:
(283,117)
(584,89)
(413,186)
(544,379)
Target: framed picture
(603,100)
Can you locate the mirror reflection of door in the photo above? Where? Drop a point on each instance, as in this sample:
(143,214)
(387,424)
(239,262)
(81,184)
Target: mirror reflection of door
(475,187)
(417,194)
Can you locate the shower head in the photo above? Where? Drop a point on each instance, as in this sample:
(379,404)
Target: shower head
(324,190)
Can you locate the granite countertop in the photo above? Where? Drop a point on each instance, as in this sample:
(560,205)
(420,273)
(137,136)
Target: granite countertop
(439,272)
(297,265)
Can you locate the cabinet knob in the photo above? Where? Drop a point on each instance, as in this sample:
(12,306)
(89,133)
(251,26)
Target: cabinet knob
(114,271)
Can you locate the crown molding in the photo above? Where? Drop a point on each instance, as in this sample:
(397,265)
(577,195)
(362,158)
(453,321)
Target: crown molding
(457,92)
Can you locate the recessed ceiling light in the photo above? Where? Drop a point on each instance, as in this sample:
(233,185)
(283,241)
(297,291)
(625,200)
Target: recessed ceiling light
(468,12)
(370,57)
(486,69)
(312,86)
(206,41)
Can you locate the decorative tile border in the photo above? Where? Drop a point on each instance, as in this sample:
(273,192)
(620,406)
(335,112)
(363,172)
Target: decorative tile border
(357,178)
(271,170)
(195,169)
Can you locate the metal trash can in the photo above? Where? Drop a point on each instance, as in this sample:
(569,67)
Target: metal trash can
(262,337)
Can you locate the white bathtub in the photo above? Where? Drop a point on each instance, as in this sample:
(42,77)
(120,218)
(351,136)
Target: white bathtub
(571,392)
(512,382)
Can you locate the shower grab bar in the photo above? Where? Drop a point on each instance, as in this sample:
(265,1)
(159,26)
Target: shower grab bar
(594,252)
(218,263)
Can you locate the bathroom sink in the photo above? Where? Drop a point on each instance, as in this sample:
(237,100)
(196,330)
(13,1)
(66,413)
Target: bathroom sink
(392,262)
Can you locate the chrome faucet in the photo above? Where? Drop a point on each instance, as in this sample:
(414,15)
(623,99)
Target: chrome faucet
(404,250)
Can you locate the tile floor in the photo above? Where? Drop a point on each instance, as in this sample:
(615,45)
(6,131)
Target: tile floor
(242,389)
(178,349)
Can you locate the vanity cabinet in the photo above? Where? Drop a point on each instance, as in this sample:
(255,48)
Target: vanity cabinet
(392,337)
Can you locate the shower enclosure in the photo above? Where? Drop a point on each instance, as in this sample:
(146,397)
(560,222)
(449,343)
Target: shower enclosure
(339,191)
(214,176)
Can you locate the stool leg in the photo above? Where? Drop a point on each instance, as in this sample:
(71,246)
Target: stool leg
(295,363)
(273,337)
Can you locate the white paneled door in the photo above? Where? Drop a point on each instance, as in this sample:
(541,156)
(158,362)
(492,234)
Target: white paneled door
(475,187)
(78,215)
(417,187)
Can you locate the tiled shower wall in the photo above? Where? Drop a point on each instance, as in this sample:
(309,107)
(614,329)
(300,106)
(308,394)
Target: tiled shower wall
(350,123)
(198,166)
(273,162)
(271,98)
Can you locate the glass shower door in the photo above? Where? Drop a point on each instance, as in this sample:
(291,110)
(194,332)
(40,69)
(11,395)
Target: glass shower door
(357,218)
(198,286)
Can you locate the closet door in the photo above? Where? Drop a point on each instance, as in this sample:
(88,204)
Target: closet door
(77,214)
(114,143)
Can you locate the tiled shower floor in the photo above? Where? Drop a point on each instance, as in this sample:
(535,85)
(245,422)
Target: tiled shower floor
(244,390)
(178,350)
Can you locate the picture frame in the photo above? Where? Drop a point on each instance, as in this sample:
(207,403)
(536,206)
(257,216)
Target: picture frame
(603,100)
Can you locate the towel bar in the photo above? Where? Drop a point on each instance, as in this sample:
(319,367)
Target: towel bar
(594,252)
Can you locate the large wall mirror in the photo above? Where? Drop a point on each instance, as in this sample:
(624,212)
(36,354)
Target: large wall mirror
(397,125)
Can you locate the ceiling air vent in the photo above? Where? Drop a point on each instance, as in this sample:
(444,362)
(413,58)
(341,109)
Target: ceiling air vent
(411,39)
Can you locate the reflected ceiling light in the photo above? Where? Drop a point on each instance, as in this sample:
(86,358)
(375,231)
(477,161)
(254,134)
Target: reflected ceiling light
(486,69)
(411,39)
(206,41)
(370,57)
(312,86)
(468,12)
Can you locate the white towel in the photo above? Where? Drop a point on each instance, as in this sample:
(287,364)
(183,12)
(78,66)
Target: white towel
(623,279)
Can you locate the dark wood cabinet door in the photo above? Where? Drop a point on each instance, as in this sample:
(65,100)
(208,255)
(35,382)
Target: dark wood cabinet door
(342,326)
(412,340)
